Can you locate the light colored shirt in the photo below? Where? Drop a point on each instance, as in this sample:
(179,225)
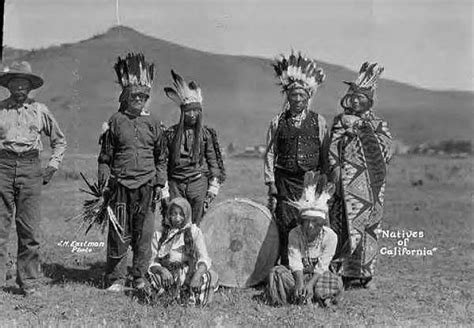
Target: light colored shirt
(269,159)
(174,246)
(320,251)
(21,128)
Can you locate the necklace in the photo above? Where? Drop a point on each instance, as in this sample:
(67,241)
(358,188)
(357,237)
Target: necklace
(315,244)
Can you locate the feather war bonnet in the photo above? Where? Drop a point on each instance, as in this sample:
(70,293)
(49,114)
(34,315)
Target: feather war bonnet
(298,71)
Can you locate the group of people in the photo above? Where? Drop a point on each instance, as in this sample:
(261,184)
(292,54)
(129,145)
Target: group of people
(331,242)
(144,167)
(325,188)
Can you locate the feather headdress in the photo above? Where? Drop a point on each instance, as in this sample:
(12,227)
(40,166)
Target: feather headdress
(183,93)
(298,71)
(134,71)
(366,82)
(316,194)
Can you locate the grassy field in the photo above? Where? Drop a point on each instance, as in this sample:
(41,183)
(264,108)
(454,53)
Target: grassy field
(432,195)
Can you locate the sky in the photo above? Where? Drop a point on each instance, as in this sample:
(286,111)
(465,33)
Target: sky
(426,43)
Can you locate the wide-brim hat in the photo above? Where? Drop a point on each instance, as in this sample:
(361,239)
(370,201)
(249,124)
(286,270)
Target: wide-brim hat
(20,70)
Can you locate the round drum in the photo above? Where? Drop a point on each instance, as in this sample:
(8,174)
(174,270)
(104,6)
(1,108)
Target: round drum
(242,241)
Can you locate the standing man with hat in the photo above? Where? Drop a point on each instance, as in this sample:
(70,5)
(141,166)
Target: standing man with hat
(22,121)
(297,142)
(133,160)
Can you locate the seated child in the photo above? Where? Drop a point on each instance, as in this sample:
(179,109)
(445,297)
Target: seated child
(180,264)
(311,248)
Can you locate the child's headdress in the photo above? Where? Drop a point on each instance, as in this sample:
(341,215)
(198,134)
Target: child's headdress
(315,197)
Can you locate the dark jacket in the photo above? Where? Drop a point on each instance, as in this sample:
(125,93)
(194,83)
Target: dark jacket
(135,150)
(210,160)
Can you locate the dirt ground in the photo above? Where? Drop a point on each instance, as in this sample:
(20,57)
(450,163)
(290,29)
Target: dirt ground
(429,195)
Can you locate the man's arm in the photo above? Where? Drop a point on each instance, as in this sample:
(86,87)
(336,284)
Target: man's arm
(210,155)
(160,152)
(324,138)
(295,262)
(269,158)
(385,139)
(56,136)
(335,140)
(329,245)
(106,153)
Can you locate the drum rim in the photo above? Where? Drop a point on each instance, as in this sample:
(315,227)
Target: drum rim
(248,201)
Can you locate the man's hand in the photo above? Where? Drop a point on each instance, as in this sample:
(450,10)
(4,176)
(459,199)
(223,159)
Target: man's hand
(309,288)
(208,200)
(48,173)
(272,189)
(335,175)
(299,290)
(156,194)
(195,282)
(272,193)
(165,274)
(299,285)
(103,174)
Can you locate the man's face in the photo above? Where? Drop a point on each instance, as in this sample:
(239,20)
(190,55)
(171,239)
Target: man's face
(137,101)
(312,226)
(298,99)
(191,116)
(358,102)
(19,89)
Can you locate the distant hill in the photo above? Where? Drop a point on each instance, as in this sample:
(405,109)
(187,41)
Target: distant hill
(240,92)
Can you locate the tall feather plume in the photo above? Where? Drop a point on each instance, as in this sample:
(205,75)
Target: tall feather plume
(368,75)
(298,69)
(183,93)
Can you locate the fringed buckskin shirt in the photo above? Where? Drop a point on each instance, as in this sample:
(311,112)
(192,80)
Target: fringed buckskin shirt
(134,149)
(21,127)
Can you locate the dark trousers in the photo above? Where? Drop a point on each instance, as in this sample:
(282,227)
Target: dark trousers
(194,191)
(290,187)
(20,189)
(132,208)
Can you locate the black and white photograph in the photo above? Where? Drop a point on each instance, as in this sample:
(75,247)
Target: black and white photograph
(237,163)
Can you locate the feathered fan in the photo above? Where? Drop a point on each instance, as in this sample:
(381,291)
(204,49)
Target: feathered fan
(96,211)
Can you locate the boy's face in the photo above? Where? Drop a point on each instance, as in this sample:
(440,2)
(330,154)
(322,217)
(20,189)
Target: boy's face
(176,216)
(312,226)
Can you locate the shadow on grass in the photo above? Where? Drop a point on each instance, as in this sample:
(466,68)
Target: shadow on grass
(59,274)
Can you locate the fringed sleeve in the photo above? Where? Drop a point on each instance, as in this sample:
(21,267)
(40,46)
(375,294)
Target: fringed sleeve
(335,143)
(160,153)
